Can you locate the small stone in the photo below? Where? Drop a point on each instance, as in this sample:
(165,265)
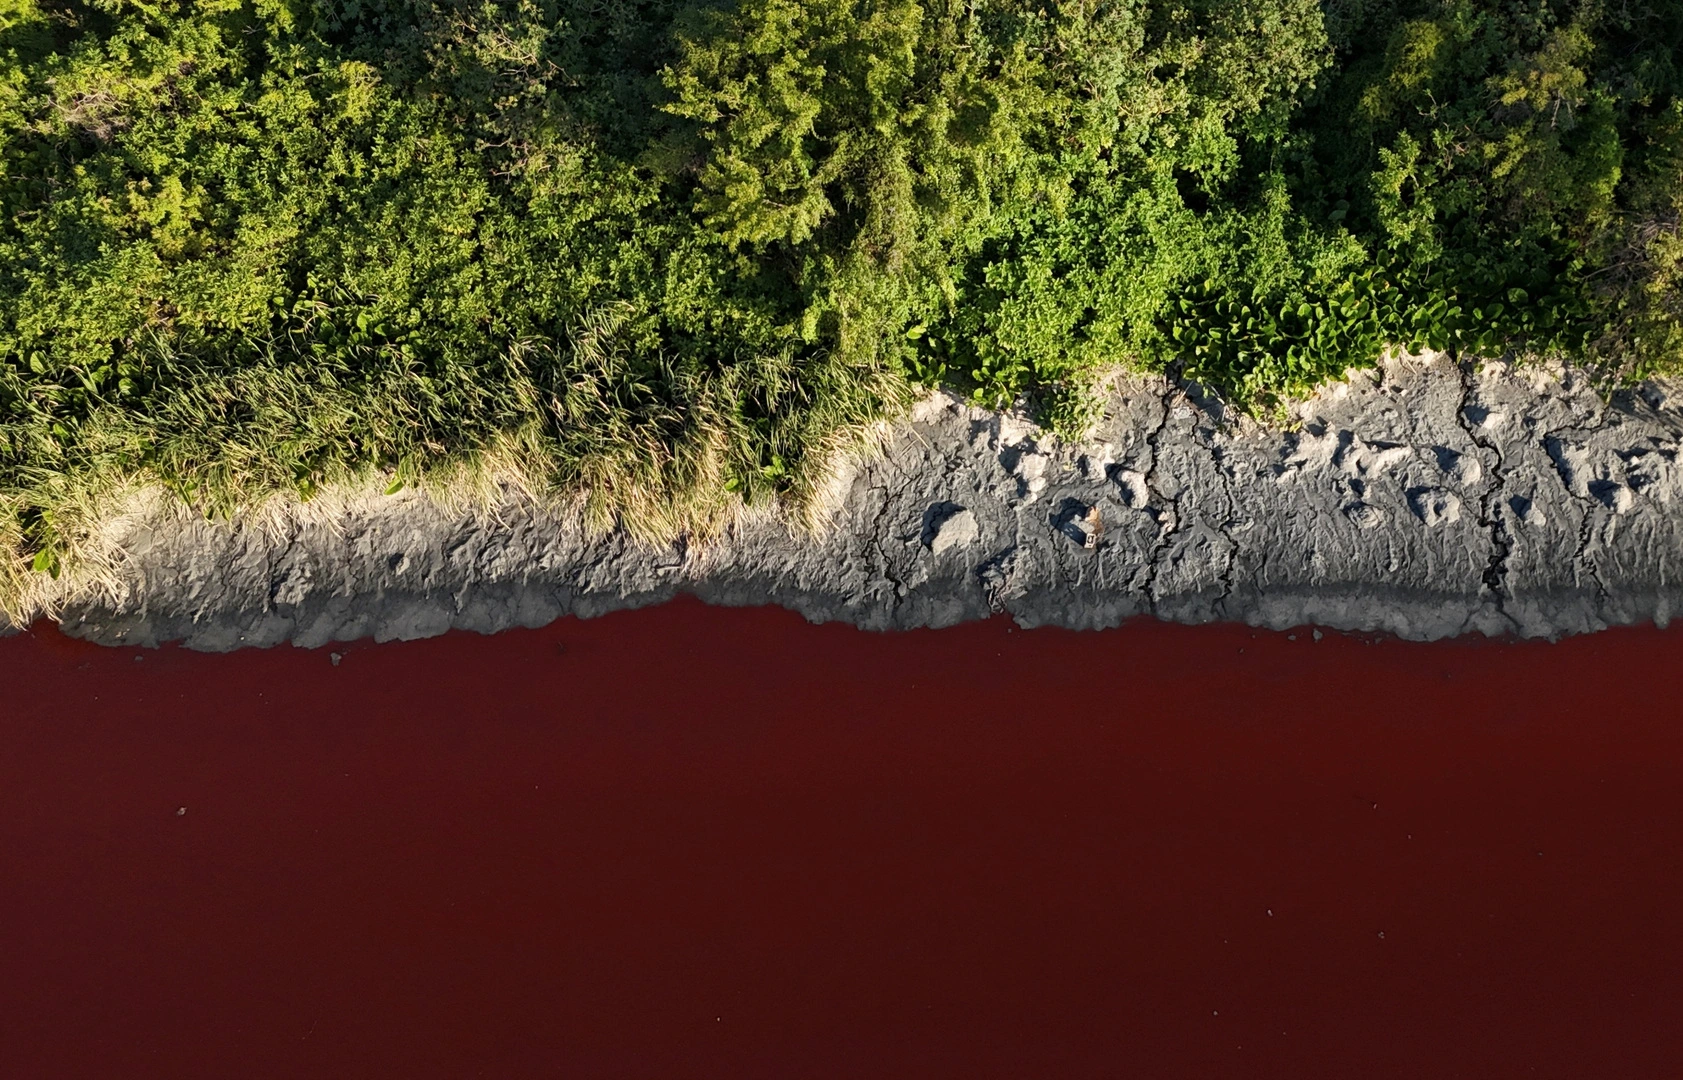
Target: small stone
(1317,635)
(181,811)
(1135,492)
(334,658)
(1029,466)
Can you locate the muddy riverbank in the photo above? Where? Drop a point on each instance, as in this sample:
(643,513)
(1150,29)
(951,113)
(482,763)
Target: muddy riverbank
(1421,499)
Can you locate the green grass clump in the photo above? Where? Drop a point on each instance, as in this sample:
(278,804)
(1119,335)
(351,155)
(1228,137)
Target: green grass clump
(675,255)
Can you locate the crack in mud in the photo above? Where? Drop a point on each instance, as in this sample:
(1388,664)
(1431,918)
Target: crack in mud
(1490,515)
(1166,529)
(897,592)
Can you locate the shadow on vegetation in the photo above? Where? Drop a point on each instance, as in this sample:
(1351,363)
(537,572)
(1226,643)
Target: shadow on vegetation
(677,255)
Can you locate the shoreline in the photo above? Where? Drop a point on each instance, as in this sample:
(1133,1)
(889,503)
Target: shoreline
(1417,499)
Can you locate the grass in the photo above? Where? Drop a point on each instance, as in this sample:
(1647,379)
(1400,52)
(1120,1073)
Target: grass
(671,261)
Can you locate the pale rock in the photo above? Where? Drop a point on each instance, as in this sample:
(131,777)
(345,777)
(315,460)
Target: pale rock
(1136,493)
(958,529)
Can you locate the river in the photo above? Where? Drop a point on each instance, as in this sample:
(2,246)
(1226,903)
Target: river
(691,841)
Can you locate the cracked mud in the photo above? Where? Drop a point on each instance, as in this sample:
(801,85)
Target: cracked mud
(1422,499)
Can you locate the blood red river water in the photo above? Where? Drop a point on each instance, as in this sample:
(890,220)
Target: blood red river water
(699,842)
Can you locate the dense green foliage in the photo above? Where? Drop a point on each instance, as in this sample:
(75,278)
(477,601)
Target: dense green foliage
(663,250)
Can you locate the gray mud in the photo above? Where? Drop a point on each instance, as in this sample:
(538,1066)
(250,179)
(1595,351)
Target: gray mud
(1420,499)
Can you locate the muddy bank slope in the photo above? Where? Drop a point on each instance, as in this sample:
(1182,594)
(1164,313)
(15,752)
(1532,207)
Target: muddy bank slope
(1422,499)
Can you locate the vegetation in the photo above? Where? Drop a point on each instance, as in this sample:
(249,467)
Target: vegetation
(673,253)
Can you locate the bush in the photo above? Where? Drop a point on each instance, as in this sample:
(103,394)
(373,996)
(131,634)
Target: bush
(670,253)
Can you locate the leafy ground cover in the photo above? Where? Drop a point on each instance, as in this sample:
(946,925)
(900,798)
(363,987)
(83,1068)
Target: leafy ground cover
(674,254)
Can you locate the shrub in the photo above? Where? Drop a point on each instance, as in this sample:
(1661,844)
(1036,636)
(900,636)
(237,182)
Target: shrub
(670,253)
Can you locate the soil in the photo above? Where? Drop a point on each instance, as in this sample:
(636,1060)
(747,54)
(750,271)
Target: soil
(1421,499)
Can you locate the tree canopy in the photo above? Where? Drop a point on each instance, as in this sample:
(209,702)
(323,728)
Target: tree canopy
(670,252)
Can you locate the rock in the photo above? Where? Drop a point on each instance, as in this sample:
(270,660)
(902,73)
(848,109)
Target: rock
(1095,468)
(1466,471)
(948,526)
(1135,493)
(1031,470)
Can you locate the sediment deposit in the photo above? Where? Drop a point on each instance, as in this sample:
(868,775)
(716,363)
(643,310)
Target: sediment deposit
(1422,498)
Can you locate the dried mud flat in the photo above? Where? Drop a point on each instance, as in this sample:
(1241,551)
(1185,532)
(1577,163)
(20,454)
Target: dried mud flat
(1422,499)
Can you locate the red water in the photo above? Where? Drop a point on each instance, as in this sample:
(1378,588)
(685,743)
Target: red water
(700,842)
